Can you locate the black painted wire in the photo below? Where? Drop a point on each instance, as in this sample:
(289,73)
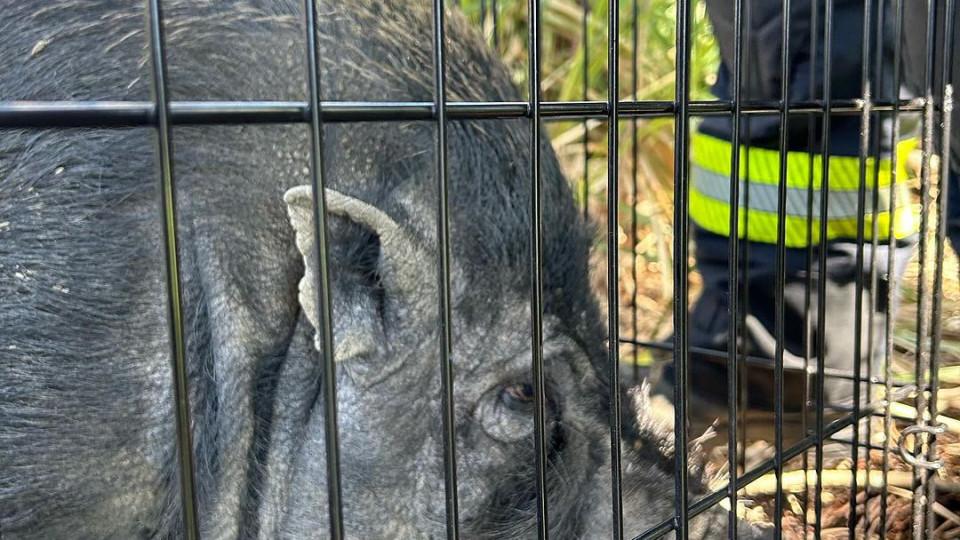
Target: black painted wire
(445,335)
(946,111)
(116,114)
(681,237)
(168,207)
(876,119)
(635,150)
(808,285)
(922,357)
(613,263)
(321,238)
(891,267)
(822,263)
(866,93)
(585,31)
(733,364)
(781,266)
(536,298)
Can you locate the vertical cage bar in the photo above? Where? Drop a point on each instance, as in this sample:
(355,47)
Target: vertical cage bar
(318,185)
(922,359)
(585,30)
(733,362)
(822,260)
(809,252)
(867,97)
(681,237)
(331,432)
(946,110)
(613,262)
(744,253)
(891,266)
(536,269)
(635,151)
(781,265)
(168,207)
(443,275)
(878,82)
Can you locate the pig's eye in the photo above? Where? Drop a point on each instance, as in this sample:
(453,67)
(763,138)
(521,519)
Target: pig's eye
(517,396)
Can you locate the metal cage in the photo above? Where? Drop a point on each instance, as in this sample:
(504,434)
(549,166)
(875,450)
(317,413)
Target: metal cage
(933,107)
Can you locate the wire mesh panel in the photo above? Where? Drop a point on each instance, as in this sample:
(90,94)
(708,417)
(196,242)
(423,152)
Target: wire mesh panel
(780,307)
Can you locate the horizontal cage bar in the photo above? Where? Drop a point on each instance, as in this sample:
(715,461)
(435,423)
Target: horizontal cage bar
(51,114)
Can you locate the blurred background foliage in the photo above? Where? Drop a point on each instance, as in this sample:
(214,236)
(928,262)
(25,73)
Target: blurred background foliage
(574,67)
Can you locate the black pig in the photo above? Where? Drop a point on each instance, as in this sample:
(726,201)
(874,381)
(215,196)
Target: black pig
(87,439)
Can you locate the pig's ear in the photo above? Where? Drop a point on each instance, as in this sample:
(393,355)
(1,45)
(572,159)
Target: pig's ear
(361,323)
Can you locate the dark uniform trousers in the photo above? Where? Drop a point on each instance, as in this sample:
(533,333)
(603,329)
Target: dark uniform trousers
(756,273)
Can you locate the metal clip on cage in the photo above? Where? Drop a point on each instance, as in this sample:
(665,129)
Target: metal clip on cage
(915,460)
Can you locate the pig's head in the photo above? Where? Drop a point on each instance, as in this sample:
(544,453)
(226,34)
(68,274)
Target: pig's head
(386,333)
(383,270)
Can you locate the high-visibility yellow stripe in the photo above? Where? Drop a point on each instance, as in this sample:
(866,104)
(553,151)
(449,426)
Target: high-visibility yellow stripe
(762,165)
(760,226)
(710,206)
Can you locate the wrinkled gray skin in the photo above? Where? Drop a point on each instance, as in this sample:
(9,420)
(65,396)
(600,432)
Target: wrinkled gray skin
(86,419)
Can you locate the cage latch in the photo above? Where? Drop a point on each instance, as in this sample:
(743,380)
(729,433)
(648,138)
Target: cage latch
(915,460)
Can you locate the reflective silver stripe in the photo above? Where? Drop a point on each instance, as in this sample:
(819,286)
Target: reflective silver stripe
(842,204)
